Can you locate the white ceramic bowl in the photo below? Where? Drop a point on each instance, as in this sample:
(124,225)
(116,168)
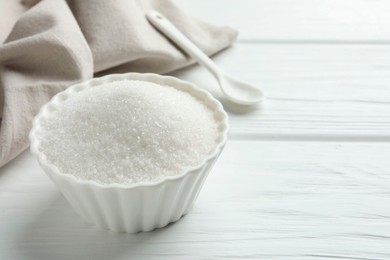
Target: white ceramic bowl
(140,206)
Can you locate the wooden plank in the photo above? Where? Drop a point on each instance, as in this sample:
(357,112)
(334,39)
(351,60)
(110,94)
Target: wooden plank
(299,20)
(329,92)
(286,200)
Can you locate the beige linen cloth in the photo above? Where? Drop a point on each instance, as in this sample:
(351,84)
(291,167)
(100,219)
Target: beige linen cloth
(57,43)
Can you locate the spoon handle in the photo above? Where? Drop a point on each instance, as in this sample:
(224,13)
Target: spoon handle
(172,33)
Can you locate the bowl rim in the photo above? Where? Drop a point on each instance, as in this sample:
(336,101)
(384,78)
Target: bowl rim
(75,88)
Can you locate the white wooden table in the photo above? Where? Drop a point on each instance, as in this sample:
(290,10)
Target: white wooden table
(306,175)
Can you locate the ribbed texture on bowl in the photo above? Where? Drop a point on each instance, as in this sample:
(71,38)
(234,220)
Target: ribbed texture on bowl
(140,206)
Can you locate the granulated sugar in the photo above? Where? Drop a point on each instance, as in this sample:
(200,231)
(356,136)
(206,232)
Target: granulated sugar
(127,132)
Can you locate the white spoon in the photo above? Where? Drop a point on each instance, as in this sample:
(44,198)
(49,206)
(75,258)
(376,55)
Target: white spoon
(234,90)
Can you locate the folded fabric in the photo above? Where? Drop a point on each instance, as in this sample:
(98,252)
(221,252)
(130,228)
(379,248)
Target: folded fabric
(57,43)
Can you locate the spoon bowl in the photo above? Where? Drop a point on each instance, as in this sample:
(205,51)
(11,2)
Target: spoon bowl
(234,90)
(240,92)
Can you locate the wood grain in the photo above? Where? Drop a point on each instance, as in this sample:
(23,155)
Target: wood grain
(285,200)
(325,92)
(318,21)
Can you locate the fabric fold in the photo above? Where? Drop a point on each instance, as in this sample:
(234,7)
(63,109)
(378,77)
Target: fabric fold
(44,53)
(57,43)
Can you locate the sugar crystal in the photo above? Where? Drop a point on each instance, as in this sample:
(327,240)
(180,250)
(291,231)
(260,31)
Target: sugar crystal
(128,131)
